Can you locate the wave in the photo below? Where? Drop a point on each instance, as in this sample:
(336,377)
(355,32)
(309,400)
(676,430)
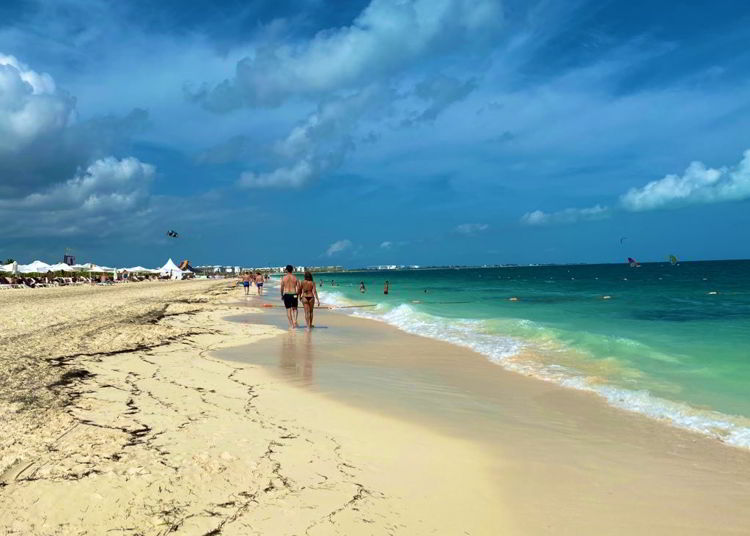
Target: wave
(524,356)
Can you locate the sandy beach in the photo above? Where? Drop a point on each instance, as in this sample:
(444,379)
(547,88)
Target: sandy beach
(185,408)
(118,419)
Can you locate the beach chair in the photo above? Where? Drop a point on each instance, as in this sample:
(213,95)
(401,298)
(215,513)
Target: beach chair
(13,283)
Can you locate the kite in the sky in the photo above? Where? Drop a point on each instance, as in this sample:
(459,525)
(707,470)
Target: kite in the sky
(673,259)
(173,234)
(622,239)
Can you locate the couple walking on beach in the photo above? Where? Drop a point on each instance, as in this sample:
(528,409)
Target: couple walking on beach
(256,278)
(291,288)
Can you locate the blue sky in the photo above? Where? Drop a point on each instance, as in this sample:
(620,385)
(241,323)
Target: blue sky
(374,132)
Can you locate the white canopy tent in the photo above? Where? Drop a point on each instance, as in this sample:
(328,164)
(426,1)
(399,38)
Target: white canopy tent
(61,267)
(139,270)
(35,267)
(171,269)
(95,268)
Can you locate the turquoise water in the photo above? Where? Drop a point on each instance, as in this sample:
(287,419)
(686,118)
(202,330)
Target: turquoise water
(671,342)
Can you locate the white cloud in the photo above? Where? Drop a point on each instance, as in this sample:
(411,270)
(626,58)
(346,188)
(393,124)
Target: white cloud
(386,244)
(698,185)
(569,215)
(30,105)
(42,141)
(101,198)
(338,247)
(387,36)
(440,92)
(294,176)
(472,228)
(318,144)
(107,184)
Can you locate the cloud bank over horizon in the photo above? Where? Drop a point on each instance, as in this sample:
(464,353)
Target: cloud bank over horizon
(697,185)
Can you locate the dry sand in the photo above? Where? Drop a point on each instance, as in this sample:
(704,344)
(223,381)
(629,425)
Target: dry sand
(115,418)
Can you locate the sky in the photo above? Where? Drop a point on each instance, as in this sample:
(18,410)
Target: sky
(368,132)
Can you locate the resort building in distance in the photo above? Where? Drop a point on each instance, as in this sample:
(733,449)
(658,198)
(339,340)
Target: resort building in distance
(232,270)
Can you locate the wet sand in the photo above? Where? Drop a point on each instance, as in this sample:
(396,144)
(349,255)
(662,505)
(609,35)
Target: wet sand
(564,461)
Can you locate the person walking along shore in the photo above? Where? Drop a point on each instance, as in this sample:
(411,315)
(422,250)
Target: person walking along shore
(309,295)
(259,283)
(289,292)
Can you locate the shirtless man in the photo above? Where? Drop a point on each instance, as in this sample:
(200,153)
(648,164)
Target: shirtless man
(246,282)
(259,283)
(289,291)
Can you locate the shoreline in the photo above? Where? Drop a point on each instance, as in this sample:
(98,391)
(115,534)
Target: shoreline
(521,356)
(555,450)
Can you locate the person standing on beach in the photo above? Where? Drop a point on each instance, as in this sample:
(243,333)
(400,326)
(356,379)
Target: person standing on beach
(259,283)
(309,295)
(246,282)
(289,291)
(385,288)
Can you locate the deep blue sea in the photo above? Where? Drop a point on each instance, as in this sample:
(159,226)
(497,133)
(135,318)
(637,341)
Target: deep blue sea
(668,341)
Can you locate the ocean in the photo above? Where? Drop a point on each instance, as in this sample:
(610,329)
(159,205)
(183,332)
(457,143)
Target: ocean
(668,341)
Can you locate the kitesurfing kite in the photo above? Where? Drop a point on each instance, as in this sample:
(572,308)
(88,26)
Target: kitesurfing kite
(622,239)
(673,259)
(173,234)
(633,263)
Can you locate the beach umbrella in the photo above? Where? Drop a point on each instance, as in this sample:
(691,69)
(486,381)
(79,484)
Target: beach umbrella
(11,267)
(35,267)
(61,267)
(141,270)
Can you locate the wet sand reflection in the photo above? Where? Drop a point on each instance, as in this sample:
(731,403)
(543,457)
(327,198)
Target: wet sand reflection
(297,357)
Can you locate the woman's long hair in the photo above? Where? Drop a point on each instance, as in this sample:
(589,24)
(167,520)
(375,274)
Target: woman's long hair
(308,275)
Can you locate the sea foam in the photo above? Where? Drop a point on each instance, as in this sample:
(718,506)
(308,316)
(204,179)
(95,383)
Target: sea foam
(506,352)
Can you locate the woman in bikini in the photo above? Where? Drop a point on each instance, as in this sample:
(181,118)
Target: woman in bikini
(309,295)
